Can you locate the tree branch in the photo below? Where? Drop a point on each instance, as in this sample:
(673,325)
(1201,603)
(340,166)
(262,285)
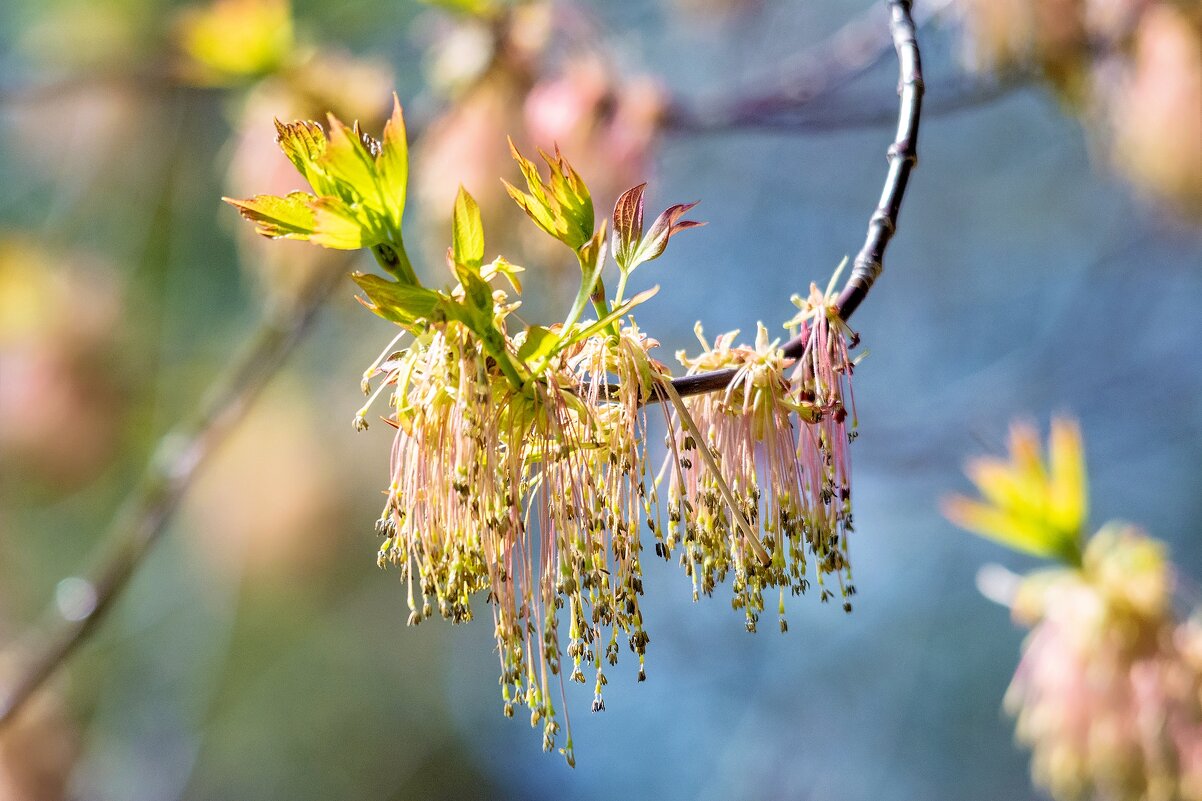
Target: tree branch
(902,155)
(174,465)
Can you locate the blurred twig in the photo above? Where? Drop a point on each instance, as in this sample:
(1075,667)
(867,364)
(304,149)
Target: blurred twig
(175,463)
(804,93)
(149,79)
(903,155)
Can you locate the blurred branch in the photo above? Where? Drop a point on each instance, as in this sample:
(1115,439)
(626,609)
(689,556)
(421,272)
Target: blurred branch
(149,79)
(174,465)
(805,94)
(902,155)
(838,115)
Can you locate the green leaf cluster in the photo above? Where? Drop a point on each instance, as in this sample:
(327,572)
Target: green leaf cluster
(359,187)
(560,205)
(358,200)
(1031,504)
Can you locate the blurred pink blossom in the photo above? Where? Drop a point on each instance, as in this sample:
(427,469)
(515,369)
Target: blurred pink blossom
(1108,691)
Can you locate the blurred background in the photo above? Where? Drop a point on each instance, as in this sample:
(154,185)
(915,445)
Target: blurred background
(1048,259)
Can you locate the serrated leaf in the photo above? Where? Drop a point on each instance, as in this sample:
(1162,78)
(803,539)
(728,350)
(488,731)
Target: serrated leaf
(289,217)
(392,165)
(535,209)
(534,181)
(400,303)
(628,225)
(467,234)
(369,142)
(359,183)
(304,143)
(571,195)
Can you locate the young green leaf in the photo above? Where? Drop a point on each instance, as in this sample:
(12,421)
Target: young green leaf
(304,143)
(560,205)
(340,226)
(477,298)
(350,163)
(570,193)
(467,236)
(1030,504)
(289,217)
(398,302)
(536,210)
(540,342)
(392,165)
(359,186)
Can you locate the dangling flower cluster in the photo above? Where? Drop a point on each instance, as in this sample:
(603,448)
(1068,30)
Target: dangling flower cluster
(822,377)
(1109,691)
(518,468)
(533,496)
(777,437)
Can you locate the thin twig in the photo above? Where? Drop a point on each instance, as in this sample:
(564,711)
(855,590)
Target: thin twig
(902,155)
(174,465)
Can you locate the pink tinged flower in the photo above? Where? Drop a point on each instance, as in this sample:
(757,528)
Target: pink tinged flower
(779,456)
(822,381)
(1158,140)
(535,499)
(1108,691)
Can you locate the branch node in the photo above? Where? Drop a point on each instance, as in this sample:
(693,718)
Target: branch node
(904,150)
(882,219)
